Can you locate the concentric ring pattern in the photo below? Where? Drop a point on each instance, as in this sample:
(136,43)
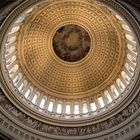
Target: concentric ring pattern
(101,65)
(70,87)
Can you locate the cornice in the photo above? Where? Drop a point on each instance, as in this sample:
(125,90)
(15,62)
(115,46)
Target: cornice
(124,124)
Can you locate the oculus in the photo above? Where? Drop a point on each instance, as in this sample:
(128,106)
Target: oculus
(71,43)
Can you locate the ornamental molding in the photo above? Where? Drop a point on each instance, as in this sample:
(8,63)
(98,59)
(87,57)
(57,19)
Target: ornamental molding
(114,123)
(7,90)
(120,125)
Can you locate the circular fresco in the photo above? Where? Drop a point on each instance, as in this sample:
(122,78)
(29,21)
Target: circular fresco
(71,43)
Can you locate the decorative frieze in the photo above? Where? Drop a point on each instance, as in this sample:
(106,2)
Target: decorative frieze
(69,131)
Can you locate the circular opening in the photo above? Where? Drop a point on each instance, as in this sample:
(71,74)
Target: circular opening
(71,43)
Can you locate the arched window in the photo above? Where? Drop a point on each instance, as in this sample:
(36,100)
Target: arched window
(20,19)
(29,10)
(34,99)
(131,58)
(101,103)
(129,37)
(119,17)
(67,108)
(76,108)
(21,87)
(114,90)
(11,39)
(120,84)
(13,69)
(29,91)
(125,77)
(17,78)
(85,107)
(108,97)
(10,50)
(14,29)
(51,104)
(129,68)
(11,60)
(59,108)
(126,27)
(42,102)
(131,47)
(93,106)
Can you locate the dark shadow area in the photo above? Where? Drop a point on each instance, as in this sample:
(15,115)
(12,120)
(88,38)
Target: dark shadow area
(4,137)
(5,3)
(137,137)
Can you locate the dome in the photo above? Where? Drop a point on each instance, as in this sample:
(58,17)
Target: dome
(70,61)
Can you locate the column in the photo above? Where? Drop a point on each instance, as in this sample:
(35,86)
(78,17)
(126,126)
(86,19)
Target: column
(48,101)
(64,107)
(72,107)
(26,88)
(39,100)
(32,94)
(10,44)
(13,34)
(55,105)
(128,73)
(97,104)
(20,82)
(15,74)
(11,65)
(130,63)
(133,54)
(123,81)
(113,96)
(80,107)
(10,55)
(117,87)
(88,105)
(104,98)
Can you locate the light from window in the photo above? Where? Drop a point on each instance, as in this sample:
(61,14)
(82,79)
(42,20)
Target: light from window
(93,106)
(113,88)
(50,108)
(120,84)
(21,87)
(119,17)
(132,48)
(14,29)
(17,78)
(126,27)
(29,10)
(11,60)
(109,98)
(10,50)
(129,68)
(125,77)
(42,103)
(101,103)
(131,58)
(34,99)
(85,108)
(11,39)
(28,92)
(14,69)
(129,37)
(76,109)
(20,19)
(59,108)
(67,108)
